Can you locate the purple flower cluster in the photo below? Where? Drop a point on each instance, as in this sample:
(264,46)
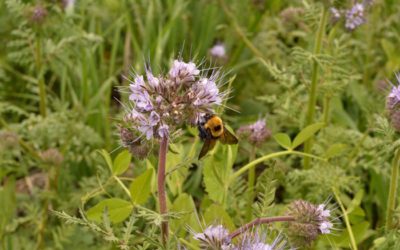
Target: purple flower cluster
(163,103)
(214,237)
(353,17)
(256,133)
(217,237)
(310,221)
(218,51)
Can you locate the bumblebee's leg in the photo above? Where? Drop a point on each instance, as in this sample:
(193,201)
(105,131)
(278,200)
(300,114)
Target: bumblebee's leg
(202,132)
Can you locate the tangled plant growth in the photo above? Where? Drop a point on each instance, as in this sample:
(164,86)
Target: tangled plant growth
(99,120)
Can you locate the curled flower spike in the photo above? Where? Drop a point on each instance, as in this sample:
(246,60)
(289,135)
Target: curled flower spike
(214,237)
(392,104)
(256,133)
(310,221)
(161,104)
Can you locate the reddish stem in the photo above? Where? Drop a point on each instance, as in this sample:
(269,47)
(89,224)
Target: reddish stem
(161,187)
(259,221)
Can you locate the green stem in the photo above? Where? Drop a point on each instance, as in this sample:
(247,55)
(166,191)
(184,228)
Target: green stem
(42,86)
(346,220)
(314,80)
(239,30)
(327,101)
(122,185)
(162,199)
(267,157)
(250,189)
(260,221)
(391,205)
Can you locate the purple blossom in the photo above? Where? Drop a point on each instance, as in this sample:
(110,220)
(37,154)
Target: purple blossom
(205,92)
(162,103)
(335,14)
(395,92)
(154,82)
(163,131)
(325,227)
(355,16)
(183,72)
(256,133)
(218,51)
(214,237)
(154,118)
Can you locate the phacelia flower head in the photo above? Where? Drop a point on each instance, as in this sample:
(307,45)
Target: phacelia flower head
(218,51)
(214,237)
(38,14)
(256,133)
(355,16)
(393,104)
(161,104)
(310,221)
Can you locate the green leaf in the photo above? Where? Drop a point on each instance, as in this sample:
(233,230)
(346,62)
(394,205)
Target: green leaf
(307,133)
(217,214)
(283,140)
(118,210)
(140,188)
(335,150)
(217,171)
(184,205)
(107,158)
(121,162)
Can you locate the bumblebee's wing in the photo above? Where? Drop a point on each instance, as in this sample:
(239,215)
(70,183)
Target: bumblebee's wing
(207,146)
(228,138)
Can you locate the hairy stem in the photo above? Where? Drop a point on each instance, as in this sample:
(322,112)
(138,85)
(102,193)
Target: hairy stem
(312,101)
(250,189)
(161,187)
(391,205)
(260,221)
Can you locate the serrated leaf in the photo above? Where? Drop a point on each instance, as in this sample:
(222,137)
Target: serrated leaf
(283,140)
(118,210)
(107,158)
(140,188)
(335,150)
(121,162)
(307,133)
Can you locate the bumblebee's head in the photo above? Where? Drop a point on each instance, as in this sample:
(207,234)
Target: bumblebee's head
(215,125)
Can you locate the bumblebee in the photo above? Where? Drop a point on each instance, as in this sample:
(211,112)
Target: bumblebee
(212,129)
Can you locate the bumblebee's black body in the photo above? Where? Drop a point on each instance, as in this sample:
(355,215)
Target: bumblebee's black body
(211,130)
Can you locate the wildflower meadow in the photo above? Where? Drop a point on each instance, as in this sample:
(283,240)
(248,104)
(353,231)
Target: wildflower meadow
(199,124)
